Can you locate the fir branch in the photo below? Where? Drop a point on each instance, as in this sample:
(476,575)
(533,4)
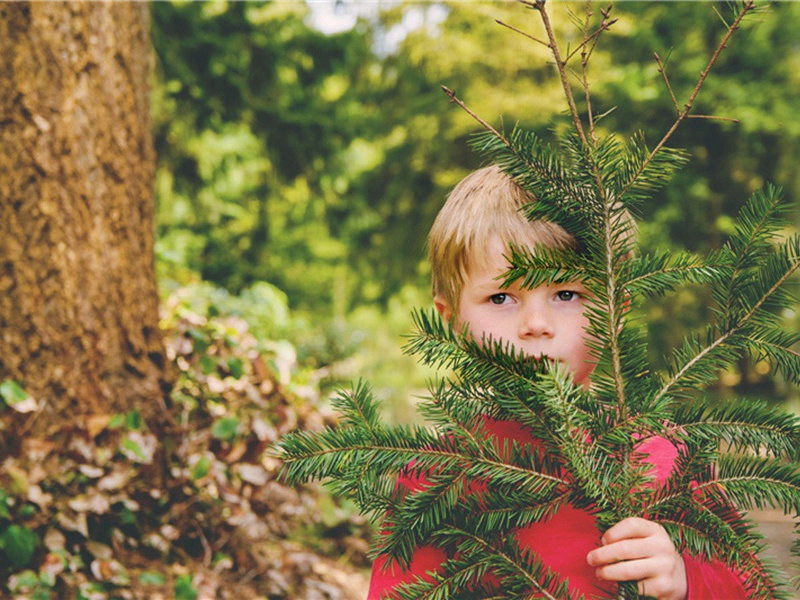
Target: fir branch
(756,225)
(468,491)
(743,425)
(775,346)
(636,174)
(507,558)
(654,275)
(532,267)
(357,407)
(789,261)
(756,481)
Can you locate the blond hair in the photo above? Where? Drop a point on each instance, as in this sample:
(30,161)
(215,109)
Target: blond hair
(485,204)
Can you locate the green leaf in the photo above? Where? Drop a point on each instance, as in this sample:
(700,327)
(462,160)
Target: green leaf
(4,504)
(16,397)
(236,367)
(208,365)
(151,578)
(133,448)
(225,429)
(19,543)
(116,422)
(12,392)
(24,581)
(200,340)
(201,468)
(133,420)
(184,588)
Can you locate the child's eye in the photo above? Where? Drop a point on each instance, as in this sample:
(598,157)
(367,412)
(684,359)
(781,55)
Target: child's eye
(567,295)
(498,298)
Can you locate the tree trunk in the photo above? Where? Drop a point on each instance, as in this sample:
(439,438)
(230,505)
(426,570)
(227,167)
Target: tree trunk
(78,298)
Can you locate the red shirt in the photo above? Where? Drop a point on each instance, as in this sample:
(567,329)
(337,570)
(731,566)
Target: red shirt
(563,541)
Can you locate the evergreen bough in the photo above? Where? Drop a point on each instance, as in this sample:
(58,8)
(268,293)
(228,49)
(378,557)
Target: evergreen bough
(732,456)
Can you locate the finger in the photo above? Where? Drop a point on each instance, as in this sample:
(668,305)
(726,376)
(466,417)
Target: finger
(628,549)
(632,527)
(629,570)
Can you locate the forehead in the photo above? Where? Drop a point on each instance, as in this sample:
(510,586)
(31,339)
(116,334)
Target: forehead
(488,261)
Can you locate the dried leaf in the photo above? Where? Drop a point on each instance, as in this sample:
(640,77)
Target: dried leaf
(54,540)
(38,497)
(96,424)
(254,474)
(139,447)
(78,523)
(115,480)
(96,503)
(98,550)
(91,471)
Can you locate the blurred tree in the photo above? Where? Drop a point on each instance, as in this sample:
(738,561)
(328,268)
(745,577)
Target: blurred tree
(78,299)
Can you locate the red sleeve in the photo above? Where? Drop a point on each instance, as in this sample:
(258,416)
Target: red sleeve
(385,579)
(711,580)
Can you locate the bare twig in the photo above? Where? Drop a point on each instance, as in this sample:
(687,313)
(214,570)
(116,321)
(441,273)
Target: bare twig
(586,48)
(519,31)
(560,65)
(666,81)
(714,118)
(585,69)
(453,98)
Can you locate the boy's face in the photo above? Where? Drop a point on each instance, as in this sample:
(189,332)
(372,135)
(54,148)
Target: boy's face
(548,320)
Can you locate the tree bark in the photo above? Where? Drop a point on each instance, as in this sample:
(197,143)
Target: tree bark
(78,297)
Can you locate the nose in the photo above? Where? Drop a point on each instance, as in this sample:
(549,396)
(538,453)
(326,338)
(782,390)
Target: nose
(536,322)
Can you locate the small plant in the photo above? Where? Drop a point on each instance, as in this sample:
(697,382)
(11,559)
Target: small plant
(731,456)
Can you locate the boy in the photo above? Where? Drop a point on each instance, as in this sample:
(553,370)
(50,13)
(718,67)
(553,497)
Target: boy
(467,247)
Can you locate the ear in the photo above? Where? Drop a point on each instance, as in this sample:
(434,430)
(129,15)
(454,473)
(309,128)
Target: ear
(443,306)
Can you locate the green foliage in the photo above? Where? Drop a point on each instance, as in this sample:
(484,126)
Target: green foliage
(18,544)
(184,588)
(731,458)
(14,396)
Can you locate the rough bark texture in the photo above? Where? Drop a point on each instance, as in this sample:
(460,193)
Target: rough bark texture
(78,298)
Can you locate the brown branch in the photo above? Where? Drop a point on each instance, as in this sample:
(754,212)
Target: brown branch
(560,65)
(585,69)
(519,31)
(590,42)
(666,81)
(714,118)
(612,306)
(453,98)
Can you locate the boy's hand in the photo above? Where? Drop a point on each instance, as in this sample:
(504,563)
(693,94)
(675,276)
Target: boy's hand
(639,550)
